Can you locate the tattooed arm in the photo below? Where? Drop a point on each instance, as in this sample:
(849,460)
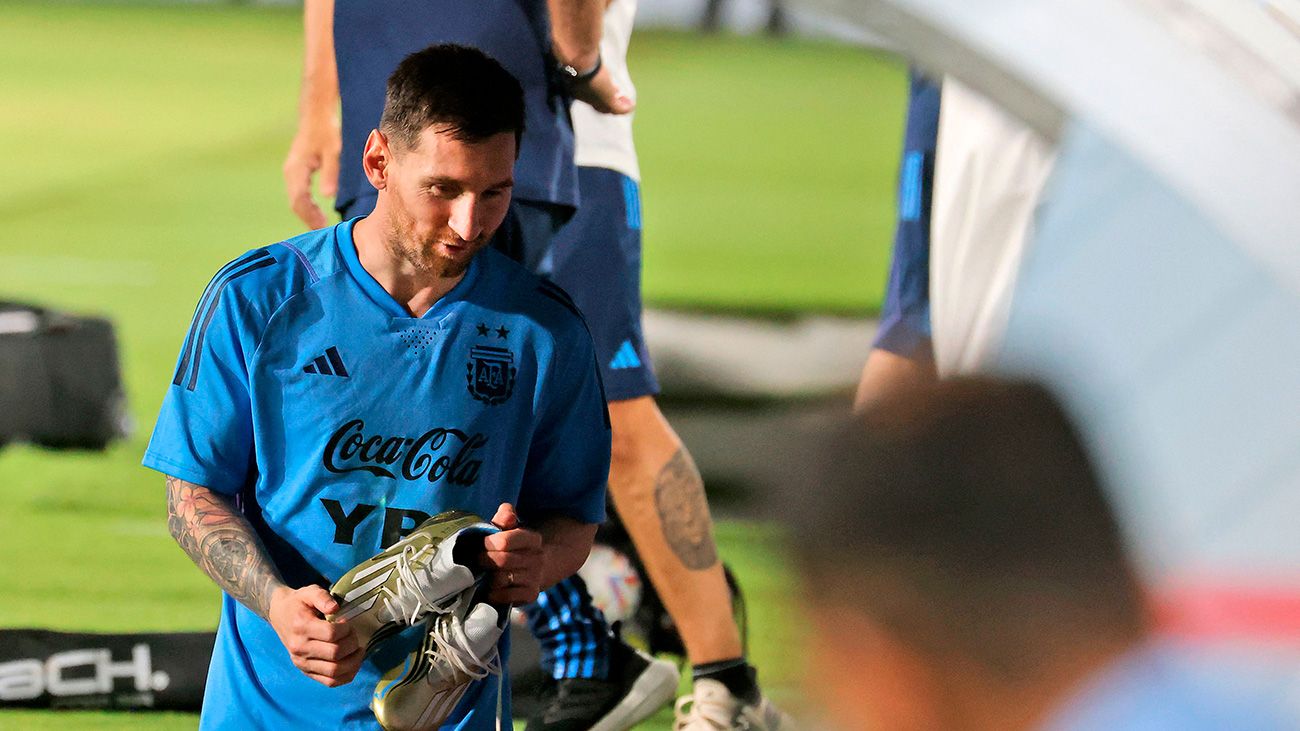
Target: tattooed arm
(219,539)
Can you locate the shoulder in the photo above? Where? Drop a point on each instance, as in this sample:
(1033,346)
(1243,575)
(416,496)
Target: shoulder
(256,283)
(536,298)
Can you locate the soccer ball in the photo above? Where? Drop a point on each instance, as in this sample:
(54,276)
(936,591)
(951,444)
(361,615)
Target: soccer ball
(613,582)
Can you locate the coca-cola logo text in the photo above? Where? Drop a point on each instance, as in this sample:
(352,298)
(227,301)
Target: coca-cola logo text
(438,454)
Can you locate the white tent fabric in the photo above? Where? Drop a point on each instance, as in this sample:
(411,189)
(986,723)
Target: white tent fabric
(1161,289)
(1176,108)
(989,173)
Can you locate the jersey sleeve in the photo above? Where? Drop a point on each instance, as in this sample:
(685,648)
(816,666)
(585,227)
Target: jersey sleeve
(905,315)
(568,461)
(204,432)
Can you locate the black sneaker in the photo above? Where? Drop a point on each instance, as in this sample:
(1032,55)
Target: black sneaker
(638,685)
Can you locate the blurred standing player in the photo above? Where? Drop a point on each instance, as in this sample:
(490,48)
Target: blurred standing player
(902,352)
(321,407)
(971,178)
(653,481)
(654,484)
(351,47)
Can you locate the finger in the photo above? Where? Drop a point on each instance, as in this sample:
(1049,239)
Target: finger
(319,599)
(335,672)
(517,561)
(506,519)
(327,631)
(307,211)
(328,181)
(623,104)
(519,539)
(324,680)
(332,651)
(297,183)
(604,95)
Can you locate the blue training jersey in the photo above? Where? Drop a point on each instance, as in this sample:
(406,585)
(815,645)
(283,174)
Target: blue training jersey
(372,36)
(340,422)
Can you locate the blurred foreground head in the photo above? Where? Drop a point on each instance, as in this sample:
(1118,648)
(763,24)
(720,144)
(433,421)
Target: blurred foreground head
(963,567)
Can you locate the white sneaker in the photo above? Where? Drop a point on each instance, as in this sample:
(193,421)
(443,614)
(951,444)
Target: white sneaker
(713,708)
(422,693)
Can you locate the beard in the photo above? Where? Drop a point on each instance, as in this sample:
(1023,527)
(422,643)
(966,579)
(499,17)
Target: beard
(424,254)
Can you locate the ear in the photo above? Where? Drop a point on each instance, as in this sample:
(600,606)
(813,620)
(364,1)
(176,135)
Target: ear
(375,159)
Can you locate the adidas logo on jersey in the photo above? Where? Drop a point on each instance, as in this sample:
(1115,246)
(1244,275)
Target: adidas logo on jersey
(626,357)
(329,364)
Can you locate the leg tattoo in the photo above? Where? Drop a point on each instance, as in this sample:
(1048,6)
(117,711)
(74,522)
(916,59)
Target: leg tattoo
(684,512)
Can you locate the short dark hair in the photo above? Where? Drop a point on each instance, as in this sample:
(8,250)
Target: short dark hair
(460,89)
(967,517)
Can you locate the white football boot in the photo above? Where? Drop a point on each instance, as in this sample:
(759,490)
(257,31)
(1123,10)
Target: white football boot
(459,648)
(409,580)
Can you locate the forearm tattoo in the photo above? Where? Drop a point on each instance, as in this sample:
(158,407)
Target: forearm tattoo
(222,543)
(684,512)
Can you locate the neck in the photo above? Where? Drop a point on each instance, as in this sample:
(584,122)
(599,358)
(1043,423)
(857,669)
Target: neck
(378,249)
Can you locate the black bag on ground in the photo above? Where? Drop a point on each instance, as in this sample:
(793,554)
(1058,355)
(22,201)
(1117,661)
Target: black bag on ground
(60,381)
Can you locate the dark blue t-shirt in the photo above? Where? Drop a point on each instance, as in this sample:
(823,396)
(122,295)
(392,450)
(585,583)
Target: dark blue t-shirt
(372,36)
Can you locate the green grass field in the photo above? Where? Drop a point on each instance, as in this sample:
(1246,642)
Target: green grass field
(142,148)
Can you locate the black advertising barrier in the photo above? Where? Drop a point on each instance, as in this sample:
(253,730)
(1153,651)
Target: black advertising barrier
(162,671)
(46,669)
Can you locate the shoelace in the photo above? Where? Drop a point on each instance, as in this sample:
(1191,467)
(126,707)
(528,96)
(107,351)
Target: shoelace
(452,649)
(691,712)
(414,596)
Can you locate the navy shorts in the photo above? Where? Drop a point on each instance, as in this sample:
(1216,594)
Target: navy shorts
(596,257)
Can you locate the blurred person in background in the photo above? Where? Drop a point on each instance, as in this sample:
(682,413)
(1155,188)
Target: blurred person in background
(901,353)
(964,570)
(970,181)
(595,257)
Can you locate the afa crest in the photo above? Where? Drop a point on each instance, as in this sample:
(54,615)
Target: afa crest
(490,374)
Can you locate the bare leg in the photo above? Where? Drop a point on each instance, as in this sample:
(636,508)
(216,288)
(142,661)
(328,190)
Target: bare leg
(660,498)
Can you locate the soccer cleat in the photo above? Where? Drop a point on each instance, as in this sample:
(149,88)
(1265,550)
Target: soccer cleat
(407,581)
(638,685)
(713,708)
(459,648)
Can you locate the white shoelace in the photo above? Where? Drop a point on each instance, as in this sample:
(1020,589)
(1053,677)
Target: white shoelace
(451,647)
(415,595)
(699,713)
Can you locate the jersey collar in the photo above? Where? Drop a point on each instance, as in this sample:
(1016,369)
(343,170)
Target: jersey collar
(380,296)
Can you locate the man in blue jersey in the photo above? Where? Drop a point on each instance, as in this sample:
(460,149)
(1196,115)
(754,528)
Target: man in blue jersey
(551,47)
(339,387)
